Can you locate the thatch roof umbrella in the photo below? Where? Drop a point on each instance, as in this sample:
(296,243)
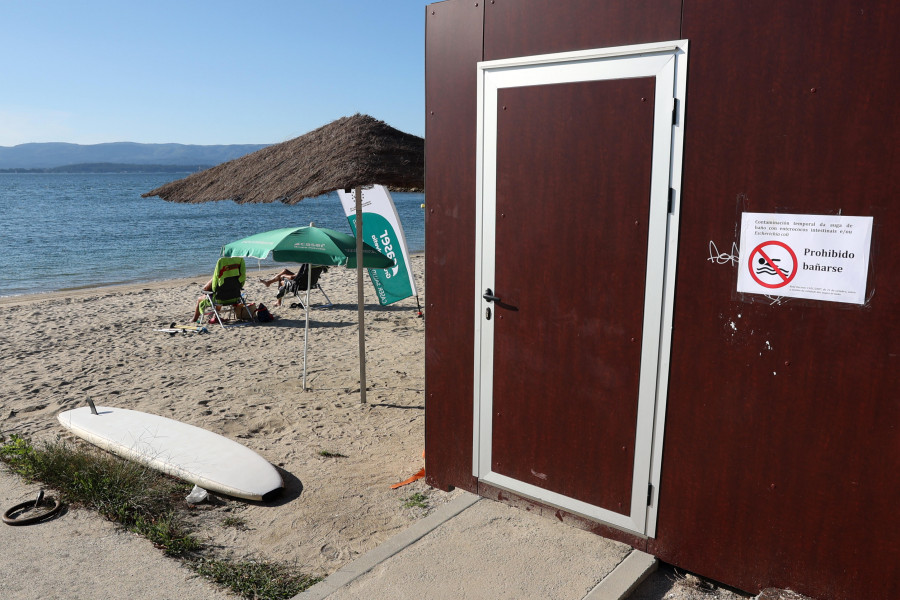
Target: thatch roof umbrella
(350,153)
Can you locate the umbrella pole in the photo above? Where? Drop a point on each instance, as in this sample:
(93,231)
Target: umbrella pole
(306,331)
(360,296)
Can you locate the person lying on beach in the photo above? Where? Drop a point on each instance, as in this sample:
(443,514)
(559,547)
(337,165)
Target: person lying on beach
(285,274)
(288,282)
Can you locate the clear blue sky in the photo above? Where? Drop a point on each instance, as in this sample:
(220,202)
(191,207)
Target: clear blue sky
(206,72)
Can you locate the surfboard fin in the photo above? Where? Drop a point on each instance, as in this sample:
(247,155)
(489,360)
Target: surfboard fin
(197,495)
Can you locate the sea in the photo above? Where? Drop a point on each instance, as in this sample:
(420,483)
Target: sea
(67,231)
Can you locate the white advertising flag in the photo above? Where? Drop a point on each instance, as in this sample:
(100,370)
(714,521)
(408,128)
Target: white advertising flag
(382,230)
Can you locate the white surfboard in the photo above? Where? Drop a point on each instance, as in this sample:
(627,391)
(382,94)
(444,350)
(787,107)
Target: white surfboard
(197,455)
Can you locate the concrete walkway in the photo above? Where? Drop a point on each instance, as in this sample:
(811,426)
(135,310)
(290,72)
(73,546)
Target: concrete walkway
(469,548)
(81,555)
(475,548)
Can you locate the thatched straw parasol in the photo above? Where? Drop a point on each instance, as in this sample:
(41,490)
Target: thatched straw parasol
(350,153)
(345,154)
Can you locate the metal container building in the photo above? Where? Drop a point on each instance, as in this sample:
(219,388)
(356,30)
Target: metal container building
(591,170)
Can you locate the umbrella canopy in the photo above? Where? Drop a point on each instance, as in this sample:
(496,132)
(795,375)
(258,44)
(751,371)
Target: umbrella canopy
(344,154)
(313,245)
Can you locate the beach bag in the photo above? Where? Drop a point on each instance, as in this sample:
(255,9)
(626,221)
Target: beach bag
(245,312)
(263,315)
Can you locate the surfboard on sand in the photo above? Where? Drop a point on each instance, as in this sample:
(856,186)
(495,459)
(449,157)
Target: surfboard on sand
(196,455)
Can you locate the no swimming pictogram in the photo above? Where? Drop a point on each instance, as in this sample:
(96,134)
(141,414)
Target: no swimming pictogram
(772,264)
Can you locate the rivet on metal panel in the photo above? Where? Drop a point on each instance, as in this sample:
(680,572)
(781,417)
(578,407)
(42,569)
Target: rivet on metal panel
(504,108)
(637,222)
(643,99)
(787,363)
(812,90)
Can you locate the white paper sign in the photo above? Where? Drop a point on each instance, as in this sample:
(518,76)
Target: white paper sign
(819,257)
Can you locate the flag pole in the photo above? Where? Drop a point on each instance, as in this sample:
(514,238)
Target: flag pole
(360,296)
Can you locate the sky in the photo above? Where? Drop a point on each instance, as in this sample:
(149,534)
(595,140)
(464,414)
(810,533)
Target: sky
(206,72)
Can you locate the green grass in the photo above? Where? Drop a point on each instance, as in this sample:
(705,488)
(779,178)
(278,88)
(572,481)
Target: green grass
(143,501)
(417,500)
(139,499)
(255,579)
(328,454)
(236,522)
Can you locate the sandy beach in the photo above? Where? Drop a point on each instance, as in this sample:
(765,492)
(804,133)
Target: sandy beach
(244,383)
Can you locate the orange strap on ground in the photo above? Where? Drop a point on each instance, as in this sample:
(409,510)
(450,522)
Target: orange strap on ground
(415,477)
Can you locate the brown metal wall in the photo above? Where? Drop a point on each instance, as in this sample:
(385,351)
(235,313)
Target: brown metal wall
(453,34)
(525,27)
(782,448)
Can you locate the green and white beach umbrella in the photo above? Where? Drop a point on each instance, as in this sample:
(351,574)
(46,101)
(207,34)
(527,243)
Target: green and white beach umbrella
(312,245)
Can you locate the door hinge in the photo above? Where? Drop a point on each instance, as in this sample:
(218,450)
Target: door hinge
(674,111)
(650,494)
(671,201)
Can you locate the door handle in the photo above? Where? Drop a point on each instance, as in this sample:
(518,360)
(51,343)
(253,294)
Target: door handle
(489,296)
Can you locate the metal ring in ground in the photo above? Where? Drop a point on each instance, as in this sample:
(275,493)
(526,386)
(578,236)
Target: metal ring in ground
(9,520)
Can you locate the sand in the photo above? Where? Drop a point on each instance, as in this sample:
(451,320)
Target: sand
(244,383)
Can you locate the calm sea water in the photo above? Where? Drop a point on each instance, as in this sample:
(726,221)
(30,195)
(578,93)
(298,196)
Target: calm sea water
(64,231)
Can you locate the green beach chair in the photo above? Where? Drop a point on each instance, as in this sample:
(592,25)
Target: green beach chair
(227,289)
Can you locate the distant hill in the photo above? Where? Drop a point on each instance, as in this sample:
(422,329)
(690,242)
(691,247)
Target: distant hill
(58,154)
(113,168)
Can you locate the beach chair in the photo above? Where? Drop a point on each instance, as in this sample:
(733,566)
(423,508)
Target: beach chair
(297,285)
(227,291)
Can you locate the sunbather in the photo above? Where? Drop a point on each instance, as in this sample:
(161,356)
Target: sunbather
(207,288)
(285,274)
(290,283)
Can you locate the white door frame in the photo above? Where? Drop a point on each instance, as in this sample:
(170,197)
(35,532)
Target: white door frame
(667,63)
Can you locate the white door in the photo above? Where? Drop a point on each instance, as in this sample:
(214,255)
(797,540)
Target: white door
(578,189)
